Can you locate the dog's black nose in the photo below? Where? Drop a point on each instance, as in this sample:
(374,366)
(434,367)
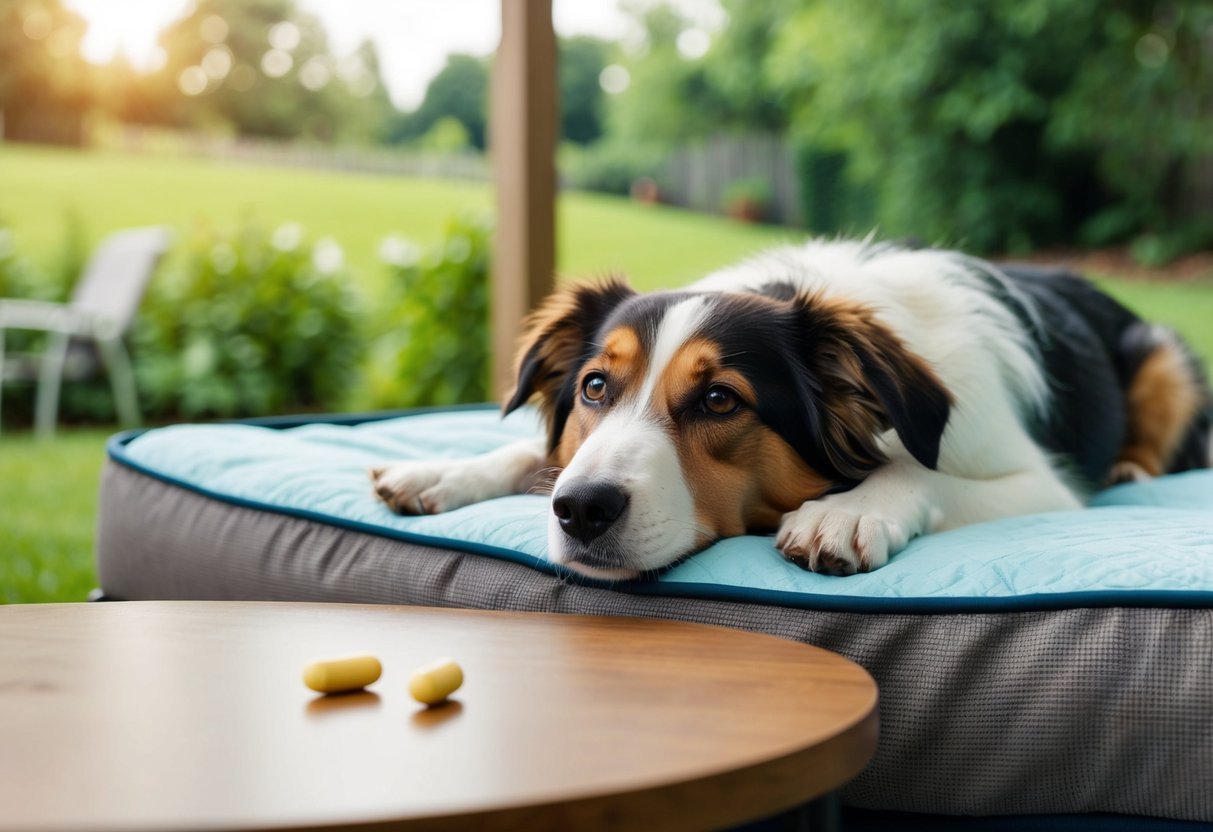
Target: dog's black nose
(587,509)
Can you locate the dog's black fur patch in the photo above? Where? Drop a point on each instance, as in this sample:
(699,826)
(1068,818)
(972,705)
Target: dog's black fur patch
(1091,347)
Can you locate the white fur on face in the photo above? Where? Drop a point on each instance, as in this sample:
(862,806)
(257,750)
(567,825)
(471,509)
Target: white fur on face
(633,449)
(638,456)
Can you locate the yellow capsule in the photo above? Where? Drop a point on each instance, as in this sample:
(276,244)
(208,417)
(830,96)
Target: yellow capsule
(341,675)
(435,682)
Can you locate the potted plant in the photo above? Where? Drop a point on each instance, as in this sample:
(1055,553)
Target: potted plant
(749,199)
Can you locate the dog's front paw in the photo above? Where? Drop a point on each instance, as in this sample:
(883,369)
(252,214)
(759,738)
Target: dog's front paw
(417,487)
(834,540)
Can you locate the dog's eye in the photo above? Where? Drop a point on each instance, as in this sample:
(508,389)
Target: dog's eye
(720,400)
(594,387)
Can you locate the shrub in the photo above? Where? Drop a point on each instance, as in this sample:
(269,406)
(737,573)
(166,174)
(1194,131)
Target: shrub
(1006,124)
(448,135)
(435,343)
(15,279)
(608,166)
(21,279)
(748,199)
(249,324)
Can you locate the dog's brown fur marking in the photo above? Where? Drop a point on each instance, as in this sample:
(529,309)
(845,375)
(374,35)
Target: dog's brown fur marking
(546,331)
(859,412)
(742,476)
(622,356)
(1163,397)
(554,338)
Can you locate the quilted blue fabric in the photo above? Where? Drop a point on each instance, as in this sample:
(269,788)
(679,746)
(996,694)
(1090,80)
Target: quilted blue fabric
(1142,544)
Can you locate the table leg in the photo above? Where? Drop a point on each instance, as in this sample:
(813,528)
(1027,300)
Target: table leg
(821,815)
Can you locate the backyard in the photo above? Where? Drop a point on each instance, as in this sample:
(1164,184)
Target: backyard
(269,270)
(42,189)
(48,490)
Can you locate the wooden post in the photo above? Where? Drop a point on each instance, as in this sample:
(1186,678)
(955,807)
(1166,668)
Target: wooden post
(522,136)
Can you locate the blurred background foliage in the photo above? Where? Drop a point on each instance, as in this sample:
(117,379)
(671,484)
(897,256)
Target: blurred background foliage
(218,73)
(434,346)
(245,323)
(1007,125)
(250,323)
(45,84)
(1000,126)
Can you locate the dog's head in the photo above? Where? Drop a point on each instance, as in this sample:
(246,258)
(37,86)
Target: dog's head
(681,418)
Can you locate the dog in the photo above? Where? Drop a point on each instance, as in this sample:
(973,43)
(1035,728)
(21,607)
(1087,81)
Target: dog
(846,395)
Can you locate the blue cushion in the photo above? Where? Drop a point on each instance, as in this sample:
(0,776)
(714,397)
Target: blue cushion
(1140,544)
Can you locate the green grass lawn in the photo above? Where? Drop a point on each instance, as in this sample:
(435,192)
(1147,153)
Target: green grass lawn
(1185,307)
(48,490)
(48,507)
(40,188)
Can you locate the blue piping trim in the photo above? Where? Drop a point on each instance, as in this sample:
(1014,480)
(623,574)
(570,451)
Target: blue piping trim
(1177,599)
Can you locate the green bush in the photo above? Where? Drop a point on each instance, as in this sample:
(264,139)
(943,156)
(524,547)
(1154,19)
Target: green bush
(1159,248)
(830,203)
(749,198)
(249,324)
(435,343)
(21,279)
(18,280)
(447,135)
(15,279)
(999,125)
(608,166)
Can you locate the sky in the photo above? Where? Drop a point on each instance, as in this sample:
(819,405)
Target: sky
(413,36)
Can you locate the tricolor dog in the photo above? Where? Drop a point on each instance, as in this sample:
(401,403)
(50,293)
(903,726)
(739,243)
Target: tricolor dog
(847,396)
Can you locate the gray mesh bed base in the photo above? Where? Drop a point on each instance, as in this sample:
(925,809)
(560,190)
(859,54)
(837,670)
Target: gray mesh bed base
(1069,711)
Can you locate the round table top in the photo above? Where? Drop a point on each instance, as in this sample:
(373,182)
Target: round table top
(193,715)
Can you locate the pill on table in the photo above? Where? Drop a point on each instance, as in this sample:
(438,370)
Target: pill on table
(341,675)
(435,682)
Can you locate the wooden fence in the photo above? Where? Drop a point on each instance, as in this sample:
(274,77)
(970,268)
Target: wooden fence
(699,176)
(300,154)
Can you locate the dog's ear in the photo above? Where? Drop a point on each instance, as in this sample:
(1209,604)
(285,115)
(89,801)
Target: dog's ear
(867,381)
(556,339)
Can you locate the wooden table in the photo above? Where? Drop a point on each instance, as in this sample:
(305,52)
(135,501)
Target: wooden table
(193,715)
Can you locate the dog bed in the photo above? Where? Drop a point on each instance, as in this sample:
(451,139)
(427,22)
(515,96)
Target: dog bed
(1058,664)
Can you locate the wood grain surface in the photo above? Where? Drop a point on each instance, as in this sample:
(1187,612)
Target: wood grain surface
(193,715)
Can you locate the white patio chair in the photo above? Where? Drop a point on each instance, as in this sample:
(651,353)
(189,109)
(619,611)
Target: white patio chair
(101,310)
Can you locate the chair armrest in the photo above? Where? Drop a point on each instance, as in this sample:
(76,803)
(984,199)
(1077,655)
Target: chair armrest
(44,317)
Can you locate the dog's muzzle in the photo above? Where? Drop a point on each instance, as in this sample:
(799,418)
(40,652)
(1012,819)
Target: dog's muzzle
(587,509)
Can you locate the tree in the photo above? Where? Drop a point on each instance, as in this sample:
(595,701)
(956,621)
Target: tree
(459,91)
(669,99)
(359,99)
(736,66)
(45,87)
(582,60)
(264,68)
(1003,124)
(673,98)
